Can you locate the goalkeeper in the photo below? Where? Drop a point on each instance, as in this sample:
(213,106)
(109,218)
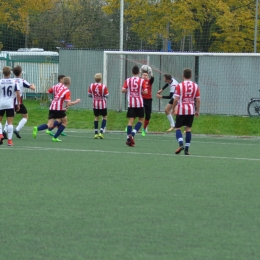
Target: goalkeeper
(146,73)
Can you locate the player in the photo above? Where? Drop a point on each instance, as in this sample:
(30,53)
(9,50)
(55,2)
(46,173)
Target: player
(99,93)
(134,87)
(172,83)
(53,90)
(57,110)
(185,94)
(23,111)
(145,71)
(9,93)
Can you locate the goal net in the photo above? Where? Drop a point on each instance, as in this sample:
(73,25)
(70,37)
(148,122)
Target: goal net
(227,80)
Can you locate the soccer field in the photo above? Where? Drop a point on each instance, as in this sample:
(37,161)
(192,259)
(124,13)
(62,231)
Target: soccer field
(100,199)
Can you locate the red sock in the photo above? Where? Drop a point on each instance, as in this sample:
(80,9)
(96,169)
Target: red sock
(146,123)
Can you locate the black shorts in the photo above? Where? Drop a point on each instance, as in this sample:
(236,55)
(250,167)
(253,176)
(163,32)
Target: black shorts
(100,112)
(134,112)
(54,114)
(9,112)
(148,103)
(148,108)
(22,110)
(184,120)
(171,101)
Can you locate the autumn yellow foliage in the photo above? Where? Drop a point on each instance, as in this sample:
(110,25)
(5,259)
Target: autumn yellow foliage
(223,25)
(15,14)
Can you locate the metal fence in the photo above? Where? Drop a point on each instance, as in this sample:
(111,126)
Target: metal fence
(39,67)
(227,81)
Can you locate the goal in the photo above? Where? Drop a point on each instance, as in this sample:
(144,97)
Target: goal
(227,80)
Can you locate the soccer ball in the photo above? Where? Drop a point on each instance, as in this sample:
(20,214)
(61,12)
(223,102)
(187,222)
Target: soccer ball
(144,68)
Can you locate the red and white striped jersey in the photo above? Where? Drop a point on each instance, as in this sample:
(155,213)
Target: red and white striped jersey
(60,95)
(187,91)
(135,86)
(55,89)
(99,93)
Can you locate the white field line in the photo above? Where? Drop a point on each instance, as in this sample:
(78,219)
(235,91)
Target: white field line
(32,148)
(230,140)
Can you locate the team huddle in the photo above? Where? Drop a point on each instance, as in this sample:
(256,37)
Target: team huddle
(184,103)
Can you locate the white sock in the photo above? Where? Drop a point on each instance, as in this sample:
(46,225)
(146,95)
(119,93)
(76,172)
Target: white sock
(170,118)
(21,124)
(5,128)
(10,129)
(1,130)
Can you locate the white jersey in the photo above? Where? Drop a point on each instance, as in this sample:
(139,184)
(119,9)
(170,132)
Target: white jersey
(8,89)
(173,85)
(21,83)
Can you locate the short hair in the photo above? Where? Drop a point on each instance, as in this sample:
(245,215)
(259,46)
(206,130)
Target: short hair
(7,71)
(187,73)
(17,70)
(168,76)
(61,77)
(135,70)
(66,80)
(98,77)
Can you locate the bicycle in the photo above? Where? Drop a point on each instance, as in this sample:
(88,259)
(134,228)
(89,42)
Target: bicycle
(253,107)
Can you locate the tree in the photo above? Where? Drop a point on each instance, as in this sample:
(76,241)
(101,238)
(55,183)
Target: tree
(148,19)
(15,15)
(216,25)
(223,25)
(76,23)
(10,39)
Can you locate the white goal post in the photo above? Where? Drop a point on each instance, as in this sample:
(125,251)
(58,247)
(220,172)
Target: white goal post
(227,80)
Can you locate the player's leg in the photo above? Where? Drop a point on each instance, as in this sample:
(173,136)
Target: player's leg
(51,118)
(131,116)
(1,126)
(147,111)
(56,123)
(103,123)
(5,130)
(59,123)
(187,140)
(96,118)
(130,125)
(62,126)
(23,121)
(178,133)
(139,112)
(42,127)
(169,115)
(138,125)
(188,123)
(10,127)
(129,137)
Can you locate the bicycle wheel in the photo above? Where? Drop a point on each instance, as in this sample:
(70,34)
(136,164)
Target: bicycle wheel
(253,108)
